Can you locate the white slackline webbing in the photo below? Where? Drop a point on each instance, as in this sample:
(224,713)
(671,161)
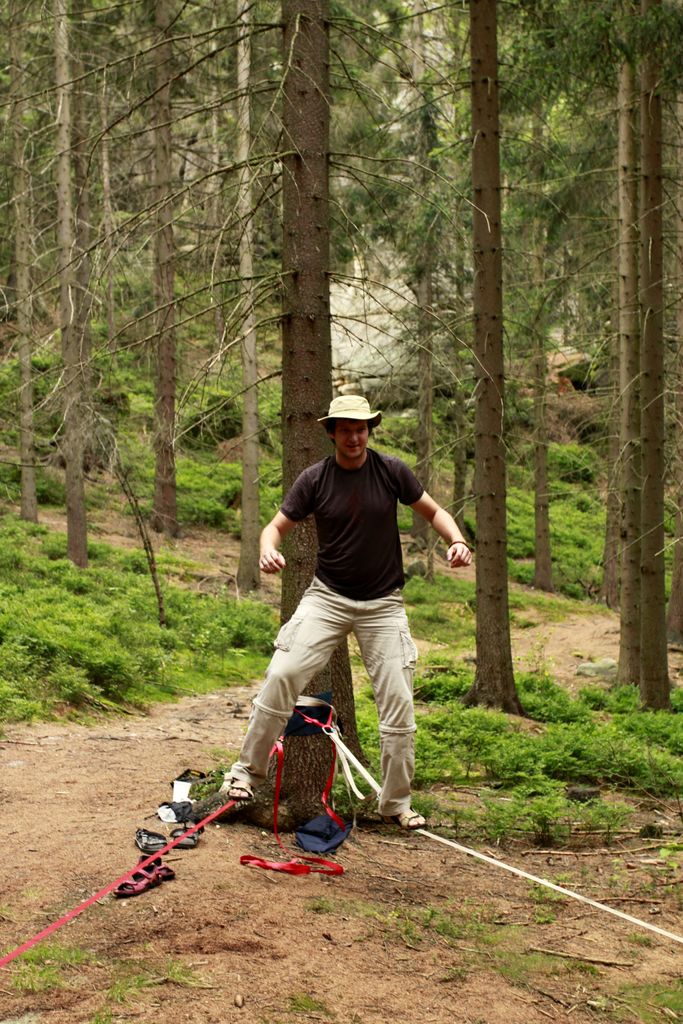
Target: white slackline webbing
(551,885)
(346,757)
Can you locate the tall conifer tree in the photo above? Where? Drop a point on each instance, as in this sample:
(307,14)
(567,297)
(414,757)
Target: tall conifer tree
(306,346)
(654,677)
(494,683)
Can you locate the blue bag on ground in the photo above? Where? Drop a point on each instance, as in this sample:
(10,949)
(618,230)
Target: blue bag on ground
(322,834)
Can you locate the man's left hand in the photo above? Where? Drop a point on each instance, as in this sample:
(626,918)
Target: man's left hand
(458,554)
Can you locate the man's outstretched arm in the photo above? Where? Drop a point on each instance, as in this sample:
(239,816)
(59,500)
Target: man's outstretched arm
(445,525)
(272,536)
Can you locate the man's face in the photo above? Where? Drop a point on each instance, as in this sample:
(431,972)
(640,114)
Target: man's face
(350,440)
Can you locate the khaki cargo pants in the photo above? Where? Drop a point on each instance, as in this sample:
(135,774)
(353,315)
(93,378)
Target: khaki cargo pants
(303,647)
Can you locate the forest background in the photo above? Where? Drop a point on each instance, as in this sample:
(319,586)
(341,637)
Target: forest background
(215,217)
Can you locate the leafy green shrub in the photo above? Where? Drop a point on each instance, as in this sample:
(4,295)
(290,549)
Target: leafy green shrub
(545,701)
(442,610)
(576,539)
(677,700)
(233,624)
(442,687)
(544,811)
(215,415)
(546,816)
(658,728)
(572,463)
(85,636)
(50,488)
(616,699)
(603,817)
(208,492)
(451,742)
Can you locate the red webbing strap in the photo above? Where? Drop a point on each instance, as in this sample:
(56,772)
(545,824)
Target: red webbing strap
(327,790)
(299,865)
(75,911)
(328,785)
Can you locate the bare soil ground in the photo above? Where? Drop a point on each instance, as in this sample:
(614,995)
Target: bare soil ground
(413,931)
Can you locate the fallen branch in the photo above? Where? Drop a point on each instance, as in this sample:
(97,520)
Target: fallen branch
(577,956)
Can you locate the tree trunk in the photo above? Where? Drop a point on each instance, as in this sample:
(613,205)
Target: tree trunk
(165,515)
(425,426)
(248,576)
(494,683)
(654,676)
(629,383)
(609,590)
(674,622)
(543,568)
(306,349)
(423,286)
(83,296)
(107,220)
(461,349)
(73,386)
(22,260)
(214,200)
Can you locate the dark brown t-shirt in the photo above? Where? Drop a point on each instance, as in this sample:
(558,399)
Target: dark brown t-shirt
(359,549)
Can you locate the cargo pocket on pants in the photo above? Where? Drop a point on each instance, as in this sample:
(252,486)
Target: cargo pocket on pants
(408,649)
(287,634)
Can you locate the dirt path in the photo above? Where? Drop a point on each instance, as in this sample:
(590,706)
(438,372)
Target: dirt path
(411,931)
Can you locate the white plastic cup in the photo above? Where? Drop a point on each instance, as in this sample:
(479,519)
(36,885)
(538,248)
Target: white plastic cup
(181,790)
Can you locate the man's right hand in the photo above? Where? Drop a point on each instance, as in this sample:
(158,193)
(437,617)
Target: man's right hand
(271,561)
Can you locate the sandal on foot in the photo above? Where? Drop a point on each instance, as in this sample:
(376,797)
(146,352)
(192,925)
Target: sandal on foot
(149,842)
(139,882)
(236,789)
(163,872)
(187,842)
(409,820)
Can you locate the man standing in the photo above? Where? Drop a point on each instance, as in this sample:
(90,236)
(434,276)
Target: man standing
(353,495)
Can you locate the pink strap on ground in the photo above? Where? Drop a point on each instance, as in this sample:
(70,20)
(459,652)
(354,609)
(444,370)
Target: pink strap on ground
(75,911)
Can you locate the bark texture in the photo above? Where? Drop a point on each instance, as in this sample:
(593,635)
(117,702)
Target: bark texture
(248,576)
(73,382)
(629,382)
(165,514)
(22,261)
(654,677)
(423,285)
(306,350)
(674,621)
(609,590)
(543,568)
(494,680)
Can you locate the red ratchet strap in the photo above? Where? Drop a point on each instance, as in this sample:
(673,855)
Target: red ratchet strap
(299,865)
(109,888)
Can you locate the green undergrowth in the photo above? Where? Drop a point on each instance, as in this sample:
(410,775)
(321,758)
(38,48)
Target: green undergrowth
(47,967)
(74,639)
(442,610)
(522,768)
(650,1003)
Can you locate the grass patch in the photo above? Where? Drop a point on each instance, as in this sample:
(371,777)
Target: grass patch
(131,979)
(650,1002)
(45,967)
(300,1002)
(72,638)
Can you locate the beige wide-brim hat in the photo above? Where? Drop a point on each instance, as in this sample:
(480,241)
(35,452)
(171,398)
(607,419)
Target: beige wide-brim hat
(351,407)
